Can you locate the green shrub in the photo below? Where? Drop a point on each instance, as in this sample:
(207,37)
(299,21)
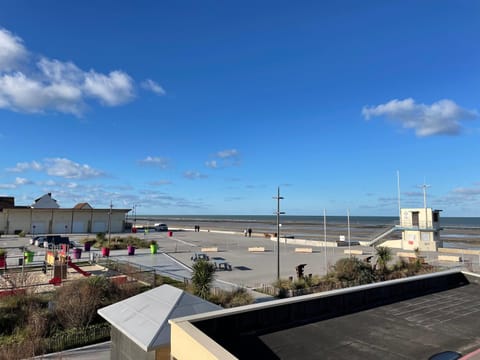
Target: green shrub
(354,270)
(234,298)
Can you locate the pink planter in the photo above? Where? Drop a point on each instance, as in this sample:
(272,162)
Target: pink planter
(105,251)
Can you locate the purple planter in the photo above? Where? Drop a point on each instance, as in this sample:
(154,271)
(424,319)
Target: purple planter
(87,246)
(131,250)
(77,253)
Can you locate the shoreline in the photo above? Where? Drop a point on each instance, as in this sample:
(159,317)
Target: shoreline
(358,232)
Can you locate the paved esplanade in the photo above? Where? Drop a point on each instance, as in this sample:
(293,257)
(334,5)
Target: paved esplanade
(249,269)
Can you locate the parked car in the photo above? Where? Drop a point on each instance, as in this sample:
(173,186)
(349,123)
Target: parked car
(161,227)
(38,240)
(52,241)
(446,355)
(57,240)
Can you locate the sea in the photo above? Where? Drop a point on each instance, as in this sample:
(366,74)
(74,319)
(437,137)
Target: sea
(447,222)
(458,232)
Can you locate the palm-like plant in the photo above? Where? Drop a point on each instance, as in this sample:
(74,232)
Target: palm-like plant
(384,255)
(202,278)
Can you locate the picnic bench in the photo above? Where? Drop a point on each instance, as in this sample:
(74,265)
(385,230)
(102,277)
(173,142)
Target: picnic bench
(199,256)
(222,265)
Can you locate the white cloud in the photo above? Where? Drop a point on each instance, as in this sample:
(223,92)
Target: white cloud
(157,161)
(60,167)
(22,181)
(20,93)
(440,118)
(153,86)
(228,153)
(192,175)
(211,164)
(160,182)
(53,85)
(69,169)
(16,183)
(12,51)
(24,166)
(224,159)
(112,90)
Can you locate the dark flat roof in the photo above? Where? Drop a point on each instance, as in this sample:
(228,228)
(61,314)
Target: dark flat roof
(410,329)
(415,328)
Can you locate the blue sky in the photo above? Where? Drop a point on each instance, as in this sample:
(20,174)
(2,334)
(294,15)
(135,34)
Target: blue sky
(193,107)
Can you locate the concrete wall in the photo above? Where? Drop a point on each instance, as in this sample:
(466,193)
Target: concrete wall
(187,342)
(125,349)
(61,221)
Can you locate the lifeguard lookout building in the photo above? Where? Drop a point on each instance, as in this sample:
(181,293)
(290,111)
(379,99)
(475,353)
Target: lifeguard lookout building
(420,229)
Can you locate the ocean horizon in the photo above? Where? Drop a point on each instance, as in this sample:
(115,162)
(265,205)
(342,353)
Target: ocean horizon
(451,222)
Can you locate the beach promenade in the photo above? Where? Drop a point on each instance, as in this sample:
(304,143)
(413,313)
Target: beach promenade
(250,269)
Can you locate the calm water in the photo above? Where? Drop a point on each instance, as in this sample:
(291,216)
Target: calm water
(455,222)
(459,232)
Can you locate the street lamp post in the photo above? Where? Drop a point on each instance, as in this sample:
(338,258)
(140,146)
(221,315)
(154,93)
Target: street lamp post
(110,223)
(278,212)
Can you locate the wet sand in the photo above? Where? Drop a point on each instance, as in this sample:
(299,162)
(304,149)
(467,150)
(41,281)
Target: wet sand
(358,232)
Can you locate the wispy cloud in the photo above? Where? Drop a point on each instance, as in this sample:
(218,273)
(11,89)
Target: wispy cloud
(192,175)
(224,158)
(440,118)
(59,167)
(16,183)
(467,192)
(231,153)
(155,161)
(24,166)
(22,181)
(54,85)
(212,164)
(151,85)
(160,182)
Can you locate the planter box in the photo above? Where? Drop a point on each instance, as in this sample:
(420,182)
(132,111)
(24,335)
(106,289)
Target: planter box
(87,246)
(77,253)
(3,261)
(153,248)
(105,251)
(131,250)
(28,256)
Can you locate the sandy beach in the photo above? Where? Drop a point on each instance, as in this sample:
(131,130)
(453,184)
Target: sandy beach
(462,237)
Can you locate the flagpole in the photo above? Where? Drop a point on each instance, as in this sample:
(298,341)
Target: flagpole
(325,238)
(348,227)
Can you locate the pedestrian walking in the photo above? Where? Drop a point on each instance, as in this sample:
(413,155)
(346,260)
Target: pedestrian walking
(245,232)
(249,232)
